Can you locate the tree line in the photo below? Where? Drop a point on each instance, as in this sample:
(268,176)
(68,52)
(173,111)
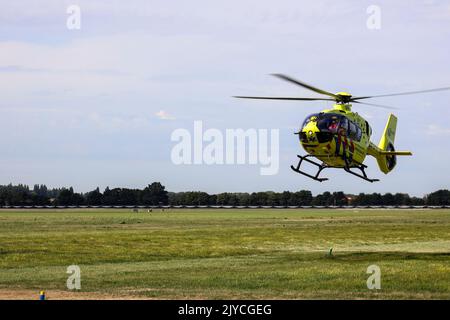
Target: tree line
(155,194)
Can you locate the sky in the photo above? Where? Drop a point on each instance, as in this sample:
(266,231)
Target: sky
(96,106)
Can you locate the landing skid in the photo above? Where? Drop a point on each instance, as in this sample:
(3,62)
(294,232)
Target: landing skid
(322,166)
(362,168)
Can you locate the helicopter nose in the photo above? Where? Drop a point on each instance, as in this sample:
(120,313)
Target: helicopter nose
(308,136)
(311,136)
(308,133)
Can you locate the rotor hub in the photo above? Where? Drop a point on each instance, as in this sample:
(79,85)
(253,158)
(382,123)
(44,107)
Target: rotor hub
(343,97)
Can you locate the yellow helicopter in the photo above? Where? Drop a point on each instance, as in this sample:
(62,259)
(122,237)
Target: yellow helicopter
(340,138)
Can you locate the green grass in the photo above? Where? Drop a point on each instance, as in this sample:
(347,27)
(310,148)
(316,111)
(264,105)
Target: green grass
(229,253)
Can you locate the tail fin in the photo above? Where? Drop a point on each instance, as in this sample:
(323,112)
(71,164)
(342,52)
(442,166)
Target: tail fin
(386,155)
(388,136)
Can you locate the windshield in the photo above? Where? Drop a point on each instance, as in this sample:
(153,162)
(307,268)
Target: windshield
(332,122)
(329,122)
(311,117)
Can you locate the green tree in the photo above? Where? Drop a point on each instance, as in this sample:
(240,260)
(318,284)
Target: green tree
(94,198)
(438,198)
(155,194)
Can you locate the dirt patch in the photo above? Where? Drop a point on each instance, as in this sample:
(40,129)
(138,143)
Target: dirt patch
(26,294)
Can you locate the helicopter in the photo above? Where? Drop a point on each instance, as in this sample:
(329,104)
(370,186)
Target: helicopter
(340,138)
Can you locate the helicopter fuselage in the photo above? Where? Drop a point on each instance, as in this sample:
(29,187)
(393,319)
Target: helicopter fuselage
(338,136)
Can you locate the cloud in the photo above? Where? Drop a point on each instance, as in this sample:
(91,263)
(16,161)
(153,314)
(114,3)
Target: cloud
(434,130)
(116,122)
(163,115)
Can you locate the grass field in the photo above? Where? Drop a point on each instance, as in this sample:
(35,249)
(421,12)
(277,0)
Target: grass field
(226,254)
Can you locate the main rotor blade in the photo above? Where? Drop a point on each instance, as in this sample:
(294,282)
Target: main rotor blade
(305,85)
(402,93)
(284,98)
(375,105)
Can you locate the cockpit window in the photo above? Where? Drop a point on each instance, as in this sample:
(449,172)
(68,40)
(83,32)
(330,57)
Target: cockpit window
(311,117)
(355,131)
(333,123)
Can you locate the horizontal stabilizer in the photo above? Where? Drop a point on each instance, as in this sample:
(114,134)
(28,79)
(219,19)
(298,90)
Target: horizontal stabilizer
(396,153)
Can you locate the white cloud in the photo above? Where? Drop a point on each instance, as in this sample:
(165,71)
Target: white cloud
(117,123)
(434,129)
(163,115)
